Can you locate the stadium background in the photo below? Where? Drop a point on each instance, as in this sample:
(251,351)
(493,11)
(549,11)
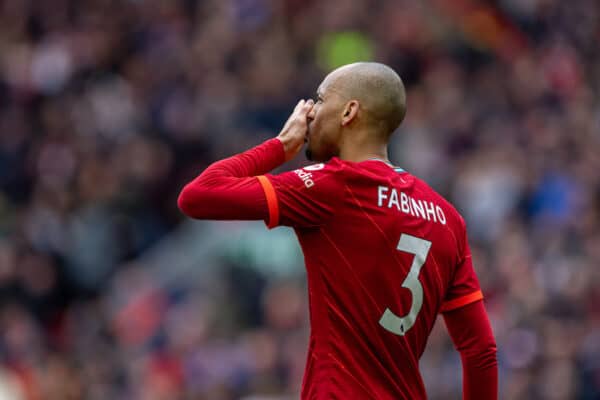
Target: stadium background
(107,107)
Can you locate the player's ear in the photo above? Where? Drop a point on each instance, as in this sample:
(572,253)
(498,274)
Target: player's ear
(350,112)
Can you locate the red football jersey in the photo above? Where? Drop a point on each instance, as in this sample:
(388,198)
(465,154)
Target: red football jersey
(384,255)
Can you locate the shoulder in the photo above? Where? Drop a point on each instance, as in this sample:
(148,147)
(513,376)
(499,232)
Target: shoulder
(313,176)
(319,171)
(307,196)
(455,219)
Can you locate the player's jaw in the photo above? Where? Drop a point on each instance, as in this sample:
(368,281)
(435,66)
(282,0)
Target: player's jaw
(320,146)
(323,128)
(310,143)
(312,136)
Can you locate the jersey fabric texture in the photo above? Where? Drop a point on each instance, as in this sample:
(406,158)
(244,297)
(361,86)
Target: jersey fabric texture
(349,218)
(384,254)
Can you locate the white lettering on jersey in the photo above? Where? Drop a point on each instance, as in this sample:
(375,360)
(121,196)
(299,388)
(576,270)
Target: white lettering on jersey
(381,190)
(314,167)
(430,211)
(427,210)
(305,176)
(394,199)
(440,214)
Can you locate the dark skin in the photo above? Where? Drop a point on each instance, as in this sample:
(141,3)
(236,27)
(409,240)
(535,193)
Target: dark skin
(357,108)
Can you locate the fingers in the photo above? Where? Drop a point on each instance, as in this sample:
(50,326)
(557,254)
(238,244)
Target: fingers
(307,106)
(304,106)
(299,115)
(293,134)
(299,105)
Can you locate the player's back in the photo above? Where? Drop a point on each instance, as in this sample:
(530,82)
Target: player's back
(392,255)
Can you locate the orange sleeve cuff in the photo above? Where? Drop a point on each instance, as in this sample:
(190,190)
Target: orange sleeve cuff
(272,202)
(461,301)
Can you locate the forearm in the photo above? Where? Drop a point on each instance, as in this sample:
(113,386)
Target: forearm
(480,374)
(256,161)
(472,335)
(227,189)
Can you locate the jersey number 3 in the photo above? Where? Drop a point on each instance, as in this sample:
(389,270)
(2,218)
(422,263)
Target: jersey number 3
(420,248)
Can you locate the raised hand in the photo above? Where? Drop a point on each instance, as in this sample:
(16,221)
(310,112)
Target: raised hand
(294,131)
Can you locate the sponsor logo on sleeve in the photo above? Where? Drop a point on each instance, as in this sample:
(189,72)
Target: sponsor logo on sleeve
(314,167)
(306,177)
(305,174)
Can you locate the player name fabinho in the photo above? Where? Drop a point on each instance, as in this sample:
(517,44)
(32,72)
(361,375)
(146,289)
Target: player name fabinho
(389,198)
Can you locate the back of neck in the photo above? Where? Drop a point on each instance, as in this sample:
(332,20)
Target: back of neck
(365,153)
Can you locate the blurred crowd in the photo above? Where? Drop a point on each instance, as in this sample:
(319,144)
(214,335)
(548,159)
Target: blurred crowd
(107,107)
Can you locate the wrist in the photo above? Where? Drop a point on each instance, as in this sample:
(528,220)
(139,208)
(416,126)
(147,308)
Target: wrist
(286,146)
(285,143)
(279,148)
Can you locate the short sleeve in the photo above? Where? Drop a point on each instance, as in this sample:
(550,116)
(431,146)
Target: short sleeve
(464,288)
(305,197)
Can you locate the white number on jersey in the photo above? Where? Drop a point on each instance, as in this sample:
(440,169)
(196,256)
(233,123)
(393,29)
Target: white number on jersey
(420,248)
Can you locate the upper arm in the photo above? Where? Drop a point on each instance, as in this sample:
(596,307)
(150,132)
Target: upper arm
(464,287)
(469,327)
(304,197)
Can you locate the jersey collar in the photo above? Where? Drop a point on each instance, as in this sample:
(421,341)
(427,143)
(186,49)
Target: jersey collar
(397,169)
